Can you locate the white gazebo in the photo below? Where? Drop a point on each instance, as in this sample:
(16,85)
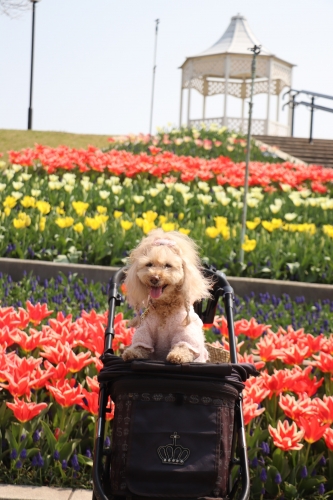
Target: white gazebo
(225,68)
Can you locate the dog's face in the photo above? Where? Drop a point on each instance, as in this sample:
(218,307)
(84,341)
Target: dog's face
(161,271)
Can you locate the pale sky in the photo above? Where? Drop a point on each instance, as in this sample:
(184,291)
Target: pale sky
(94,60)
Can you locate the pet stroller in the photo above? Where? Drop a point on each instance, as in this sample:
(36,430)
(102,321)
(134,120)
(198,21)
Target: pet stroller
(178,430)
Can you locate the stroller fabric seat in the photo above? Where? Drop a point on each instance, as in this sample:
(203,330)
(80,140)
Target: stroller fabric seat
(173,427)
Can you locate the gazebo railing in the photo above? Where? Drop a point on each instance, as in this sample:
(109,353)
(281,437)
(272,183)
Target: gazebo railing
(239,125)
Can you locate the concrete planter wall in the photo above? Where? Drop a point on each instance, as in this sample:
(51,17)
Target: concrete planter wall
(242,286)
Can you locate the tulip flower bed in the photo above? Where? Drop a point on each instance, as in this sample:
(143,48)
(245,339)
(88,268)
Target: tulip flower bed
(206,142)
(49,362)
(100,209)
(71,295)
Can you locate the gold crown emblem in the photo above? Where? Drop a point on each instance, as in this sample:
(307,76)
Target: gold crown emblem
(173,454)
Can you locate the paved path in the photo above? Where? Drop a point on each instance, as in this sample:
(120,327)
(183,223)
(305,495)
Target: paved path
(10,492)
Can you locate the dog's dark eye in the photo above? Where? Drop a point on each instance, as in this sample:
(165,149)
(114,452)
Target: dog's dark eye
(168,265)
(149,264)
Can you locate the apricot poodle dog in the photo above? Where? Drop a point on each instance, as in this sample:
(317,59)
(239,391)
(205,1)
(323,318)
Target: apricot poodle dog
(164,280)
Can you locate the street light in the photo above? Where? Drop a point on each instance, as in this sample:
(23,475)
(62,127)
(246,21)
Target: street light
(32,63)
(153,86)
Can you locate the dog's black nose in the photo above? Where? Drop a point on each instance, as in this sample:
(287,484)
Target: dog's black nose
(154,280)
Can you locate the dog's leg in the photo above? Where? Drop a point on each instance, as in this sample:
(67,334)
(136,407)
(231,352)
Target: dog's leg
(180,354)
(135,353)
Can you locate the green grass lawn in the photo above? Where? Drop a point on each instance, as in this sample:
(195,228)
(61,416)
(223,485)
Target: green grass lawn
(18,139)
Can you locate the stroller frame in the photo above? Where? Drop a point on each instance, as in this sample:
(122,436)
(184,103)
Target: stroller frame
(221,288)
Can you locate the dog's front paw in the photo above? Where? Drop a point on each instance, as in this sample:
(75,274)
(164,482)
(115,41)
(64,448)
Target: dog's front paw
(179,355)
(135,353)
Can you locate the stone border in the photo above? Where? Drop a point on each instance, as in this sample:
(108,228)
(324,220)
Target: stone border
(242,286)
(14,492)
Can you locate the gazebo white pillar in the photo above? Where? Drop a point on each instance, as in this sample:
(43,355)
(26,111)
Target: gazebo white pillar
(181,102)
(205,92)
(226,82)
(243,97)
(189,95)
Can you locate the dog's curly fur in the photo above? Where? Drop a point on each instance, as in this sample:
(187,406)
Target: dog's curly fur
(164,277)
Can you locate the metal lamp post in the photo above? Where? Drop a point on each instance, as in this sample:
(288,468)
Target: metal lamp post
(32,63)
(256,52)
(153,85)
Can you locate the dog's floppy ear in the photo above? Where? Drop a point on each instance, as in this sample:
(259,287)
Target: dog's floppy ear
(137,294)
(195,285)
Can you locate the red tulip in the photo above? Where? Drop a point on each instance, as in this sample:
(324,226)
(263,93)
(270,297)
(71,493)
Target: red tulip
(251,410)
(328,436)
(324,362)
(25,411)
(295,408)
(266,348)
(65,394)
(294,355)
(37,313)
(312,427)
(251,328)
(286,436)
(324,409)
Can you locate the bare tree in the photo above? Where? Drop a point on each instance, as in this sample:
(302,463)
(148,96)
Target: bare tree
(14,8)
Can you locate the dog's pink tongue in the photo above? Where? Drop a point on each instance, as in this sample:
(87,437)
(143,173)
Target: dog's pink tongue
(155,292)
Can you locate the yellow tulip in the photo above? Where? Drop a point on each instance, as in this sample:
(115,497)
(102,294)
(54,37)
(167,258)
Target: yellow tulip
(23,220)
(117,214)
(43,206)
(181,216)
(225,232)
(184,231)
(150,216)
(60,211)
(28,201)
(9,202)
(78,227)
(80,207)
(328,230)
(220,222)
(148,226)
(168,226)
(139,221)
(93,223)
(126,224)
(162,219)
(42,223)
(249,245)
(7,211)
(101,209)
(64,222)
(253,224)
(212,232)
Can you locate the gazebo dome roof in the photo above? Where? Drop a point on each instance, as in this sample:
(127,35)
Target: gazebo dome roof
(237,39)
